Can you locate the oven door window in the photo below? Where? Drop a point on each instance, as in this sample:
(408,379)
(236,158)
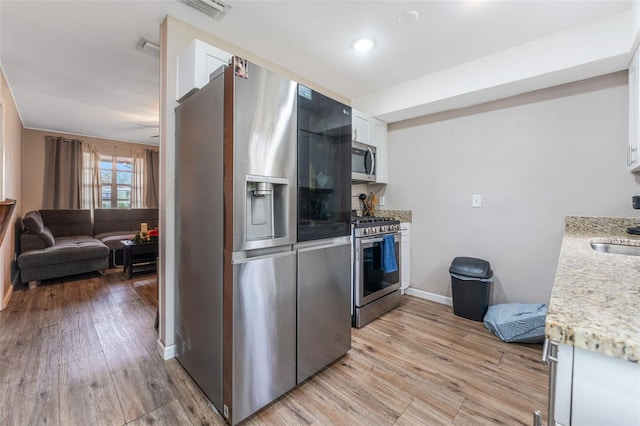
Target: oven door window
(376,282)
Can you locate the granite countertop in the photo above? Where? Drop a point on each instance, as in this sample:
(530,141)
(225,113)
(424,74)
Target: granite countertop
(595,301)
(401,215)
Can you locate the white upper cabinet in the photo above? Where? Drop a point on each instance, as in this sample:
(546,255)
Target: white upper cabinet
(195,64)
(633,163)
(370,130)
(360,127)
(378,139)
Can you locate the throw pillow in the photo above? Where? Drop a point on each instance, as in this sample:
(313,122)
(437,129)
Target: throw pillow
(47,237)
(32,222)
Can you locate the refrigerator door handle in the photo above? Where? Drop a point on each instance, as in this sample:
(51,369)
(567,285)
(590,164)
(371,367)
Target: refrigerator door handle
(237,261)
(323,246)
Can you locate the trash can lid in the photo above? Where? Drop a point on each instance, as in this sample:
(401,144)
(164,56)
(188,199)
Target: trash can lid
(471,267)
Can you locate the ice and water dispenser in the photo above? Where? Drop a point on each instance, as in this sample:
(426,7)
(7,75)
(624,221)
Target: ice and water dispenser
(267,207)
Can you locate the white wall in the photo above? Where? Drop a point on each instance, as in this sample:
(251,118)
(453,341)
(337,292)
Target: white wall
(33,147)
(535,158)
(11,158)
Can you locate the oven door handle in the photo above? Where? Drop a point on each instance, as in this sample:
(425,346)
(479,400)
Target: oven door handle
(377,239)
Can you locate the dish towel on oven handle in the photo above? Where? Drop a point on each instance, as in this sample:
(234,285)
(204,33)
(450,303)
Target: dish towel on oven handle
(388,251)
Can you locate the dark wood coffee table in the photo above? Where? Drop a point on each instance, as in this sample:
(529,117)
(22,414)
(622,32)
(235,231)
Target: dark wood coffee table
(138,255)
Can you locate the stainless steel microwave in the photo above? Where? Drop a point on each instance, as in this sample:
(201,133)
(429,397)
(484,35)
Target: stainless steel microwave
(363,162)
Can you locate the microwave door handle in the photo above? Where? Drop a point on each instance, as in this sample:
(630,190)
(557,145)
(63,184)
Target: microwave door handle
(373,163)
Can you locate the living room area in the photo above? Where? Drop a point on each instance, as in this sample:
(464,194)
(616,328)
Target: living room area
(84,197)
(79,198)
(80,346)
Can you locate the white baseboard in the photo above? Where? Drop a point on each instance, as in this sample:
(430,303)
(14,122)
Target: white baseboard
(429,296)
(166,352)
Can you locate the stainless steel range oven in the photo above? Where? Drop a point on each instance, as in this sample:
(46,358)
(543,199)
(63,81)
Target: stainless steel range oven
(376,286)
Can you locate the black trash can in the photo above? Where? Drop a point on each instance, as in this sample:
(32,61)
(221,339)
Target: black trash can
(470,286)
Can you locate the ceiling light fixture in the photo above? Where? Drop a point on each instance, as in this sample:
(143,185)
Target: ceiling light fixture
(143,44)
(214,8)
(363,44)
(408,17)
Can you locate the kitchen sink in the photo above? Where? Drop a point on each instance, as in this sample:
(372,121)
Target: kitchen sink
(616,248)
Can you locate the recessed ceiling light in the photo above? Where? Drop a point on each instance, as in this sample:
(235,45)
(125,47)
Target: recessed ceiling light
(363,44)
(408,17)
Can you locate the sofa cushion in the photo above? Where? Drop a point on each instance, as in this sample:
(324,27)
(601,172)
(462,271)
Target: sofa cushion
(32,222)
(68,223)
(30,242)
(66,249)
(47,237)
(123,221)
(112,239)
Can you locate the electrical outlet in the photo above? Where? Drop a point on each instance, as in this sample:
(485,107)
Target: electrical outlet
(381,202)
(476,200)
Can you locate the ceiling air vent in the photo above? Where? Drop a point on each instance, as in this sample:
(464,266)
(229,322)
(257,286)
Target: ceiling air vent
(214,8)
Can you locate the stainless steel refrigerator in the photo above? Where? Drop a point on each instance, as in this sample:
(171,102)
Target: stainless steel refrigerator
(236,225)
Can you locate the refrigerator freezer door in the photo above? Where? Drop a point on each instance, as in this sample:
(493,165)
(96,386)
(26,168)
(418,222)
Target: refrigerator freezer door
(324,305)
(264,331)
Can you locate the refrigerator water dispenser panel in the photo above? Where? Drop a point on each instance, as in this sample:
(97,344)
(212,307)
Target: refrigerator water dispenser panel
(266,208)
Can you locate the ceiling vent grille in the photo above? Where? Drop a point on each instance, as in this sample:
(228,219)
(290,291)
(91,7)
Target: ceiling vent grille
(214,8)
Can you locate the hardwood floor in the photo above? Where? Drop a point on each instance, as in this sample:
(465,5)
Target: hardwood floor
(83,351)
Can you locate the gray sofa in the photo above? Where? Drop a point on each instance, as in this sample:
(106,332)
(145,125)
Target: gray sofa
(56,243)
(114,225)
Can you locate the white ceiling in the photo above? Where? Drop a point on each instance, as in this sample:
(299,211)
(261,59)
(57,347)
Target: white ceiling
(73,66)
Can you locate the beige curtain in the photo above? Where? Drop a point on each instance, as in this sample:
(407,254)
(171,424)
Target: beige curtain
(90,194)
(137,179)
(62,173)
(151,178)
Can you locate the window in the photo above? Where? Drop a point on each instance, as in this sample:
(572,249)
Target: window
(115,181)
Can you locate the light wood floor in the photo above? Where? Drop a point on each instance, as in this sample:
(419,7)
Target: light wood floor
(83,351)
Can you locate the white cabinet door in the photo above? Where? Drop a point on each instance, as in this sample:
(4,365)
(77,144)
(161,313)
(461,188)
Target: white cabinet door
(564,377)
(633,163)
(195,64)
(606,390)
(373,132)
(379,139)
(594,389)
(405,256)
(360,127)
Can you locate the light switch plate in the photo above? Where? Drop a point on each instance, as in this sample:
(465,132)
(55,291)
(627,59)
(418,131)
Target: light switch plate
(476,200)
